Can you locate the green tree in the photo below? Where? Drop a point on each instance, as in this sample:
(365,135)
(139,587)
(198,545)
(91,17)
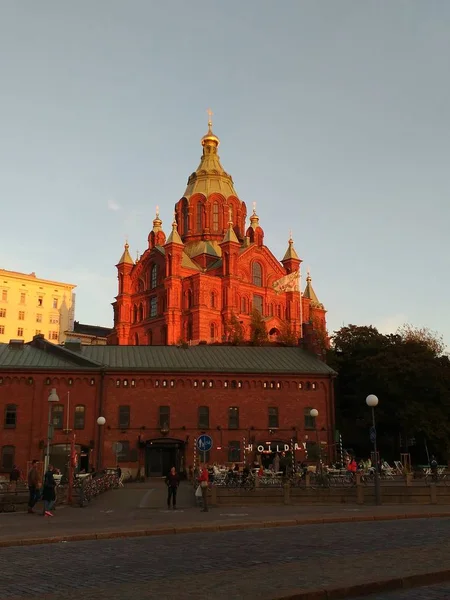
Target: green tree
(287,336)
(411,382)
(432,339)
(234,331)
(258,330)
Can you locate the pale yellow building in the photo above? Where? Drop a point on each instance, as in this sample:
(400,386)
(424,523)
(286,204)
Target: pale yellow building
(30,306)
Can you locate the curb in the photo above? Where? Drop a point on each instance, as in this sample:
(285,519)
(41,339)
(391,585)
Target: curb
(366,589)
(109,535)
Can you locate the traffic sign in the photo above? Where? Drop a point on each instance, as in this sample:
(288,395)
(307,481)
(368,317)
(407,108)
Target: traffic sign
(204,443)
(373,434)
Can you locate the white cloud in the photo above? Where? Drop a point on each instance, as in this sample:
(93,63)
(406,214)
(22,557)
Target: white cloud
(113,205)
(391,323)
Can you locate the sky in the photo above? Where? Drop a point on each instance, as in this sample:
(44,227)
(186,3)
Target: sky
(333,117)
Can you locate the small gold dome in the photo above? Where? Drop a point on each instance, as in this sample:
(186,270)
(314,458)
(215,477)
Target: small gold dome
(210,138)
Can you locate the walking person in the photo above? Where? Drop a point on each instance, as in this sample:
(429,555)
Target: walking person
(34,484)
(49,493)
(172,482)
(204,480)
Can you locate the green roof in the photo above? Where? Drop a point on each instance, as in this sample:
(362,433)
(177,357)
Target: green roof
(203,358)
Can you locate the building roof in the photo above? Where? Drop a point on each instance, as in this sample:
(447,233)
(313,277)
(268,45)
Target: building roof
(32,277)
(126,256)
(93,330)
(311,294)
(266,360)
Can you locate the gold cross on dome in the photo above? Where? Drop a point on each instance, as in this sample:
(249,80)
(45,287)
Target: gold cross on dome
(210,114)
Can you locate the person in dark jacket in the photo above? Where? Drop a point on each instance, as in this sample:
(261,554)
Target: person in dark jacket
(49,492)
(172,481)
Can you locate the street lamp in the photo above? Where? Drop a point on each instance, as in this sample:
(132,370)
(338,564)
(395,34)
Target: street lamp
(52,398)
(372,402)
(314,413)
(100,422)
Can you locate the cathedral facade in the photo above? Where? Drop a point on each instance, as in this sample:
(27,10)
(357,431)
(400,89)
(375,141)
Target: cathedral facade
(213,276)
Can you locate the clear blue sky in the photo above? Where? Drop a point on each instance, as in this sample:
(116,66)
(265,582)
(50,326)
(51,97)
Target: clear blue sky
(334,116)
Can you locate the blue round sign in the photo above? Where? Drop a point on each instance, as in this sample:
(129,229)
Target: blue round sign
(204,443)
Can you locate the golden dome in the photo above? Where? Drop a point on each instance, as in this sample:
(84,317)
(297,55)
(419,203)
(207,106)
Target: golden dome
(210,137)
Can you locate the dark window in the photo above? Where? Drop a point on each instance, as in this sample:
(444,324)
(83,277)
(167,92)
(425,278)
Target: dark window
(57,416)
(124,454)
(79,419)
(212,332)
(153,306)
(273,416)
(215,216)
(234,452)
(7,457)
(199,217)
(203,417)
(258,304)
(243,305)
(257,274)
(233,417)
(124,417)
(164,417)
(154,277)
(10,416)
(213,300)
(185,220)
(310,422)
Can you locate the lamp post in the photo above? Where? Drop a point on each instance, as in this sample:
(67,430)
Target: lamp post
(372,402)
(52,398)
(100,422)
(314,413)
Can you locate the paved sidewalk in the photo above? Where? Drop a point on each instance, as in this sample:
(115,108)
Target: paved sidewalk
(139,509)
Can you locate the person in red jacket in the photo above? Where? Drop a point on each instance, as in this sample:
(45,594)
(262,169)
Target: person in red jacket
(203,481)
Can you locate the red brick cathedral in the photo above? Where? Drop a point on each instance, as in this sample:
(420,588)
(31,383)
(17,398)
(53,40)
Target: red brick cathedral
(206,280)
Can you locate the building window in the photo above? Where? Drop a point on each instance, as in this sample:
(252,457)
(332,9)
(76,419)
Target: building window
(154,277)
(203,417)
(199,217)
(20,332)
(124,417)
(2,313)
(185,220)
(79,417)
(4,295)
(153,306)
(22,297)
(164,417)
(234,452)
(57,416)
(233,417)
(258,304)
(10,416)
(2,329)
(213,299)
(257,274)
(124,454)
(55,303)
(273,417)
(40,301)
(212,332)
(244,305)
(216,216)
(310,422)
(54,320)
(21,315)
(52,335)
(38,318)
(7,461)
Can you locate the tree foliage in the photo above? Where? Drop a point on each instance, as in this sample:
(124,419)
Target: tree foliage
(432,339)
(234,331)
(287,336)
(411,381)
(258,329)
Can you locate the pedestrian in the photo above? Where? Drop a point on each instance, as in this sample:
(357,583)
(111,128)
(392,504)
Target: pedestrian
(49,494)
(203,480)
(14,477)
(34,484)
(172,482)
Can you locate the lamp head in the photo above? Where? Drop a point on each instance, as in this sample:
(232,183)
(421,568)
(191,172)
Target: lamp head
(101,421)
(53,396)
(314,413)
(372,401)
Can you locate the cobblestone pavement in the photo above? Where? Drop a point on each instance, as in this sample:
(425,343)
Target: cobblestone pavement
(263,563)
(432,592)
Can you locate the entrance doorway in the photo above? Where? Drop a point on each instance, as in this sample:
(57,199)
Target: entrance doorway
(163,454)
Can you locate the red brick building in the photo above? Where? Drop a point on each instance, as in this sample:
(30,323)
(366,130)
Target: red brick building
(211,271)
(158,400)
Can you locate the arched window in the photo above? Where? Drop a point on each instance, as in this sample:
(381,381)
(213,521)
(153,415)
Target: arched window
(230,212)
(10,416)
(154,277)
(149,337)
(203,417)
(189,299)
(185,220)
(7,458)
(310,422)
(243,305)
(141,312)
(135,314)
(140,285)
(79,418)
(199,217)
(136,339)
(57,416)
(257,274)
(212,331)
(213,299)
(215,219)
